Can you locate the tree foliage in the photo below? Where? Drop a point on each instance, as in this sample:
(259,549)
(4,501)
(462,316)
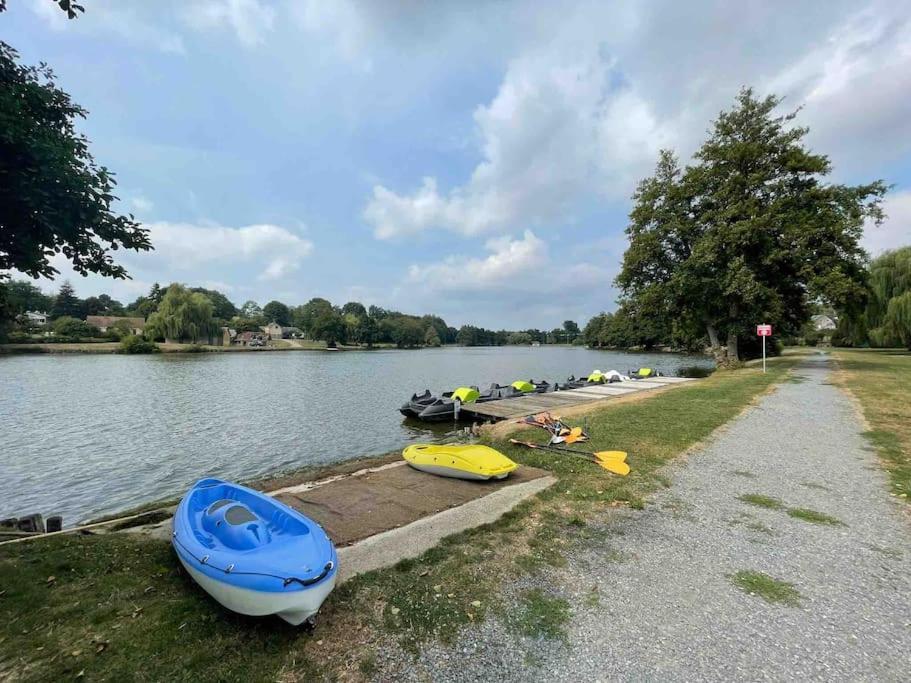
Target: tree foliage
(183,315)
(22,296)
(750,233)
(276,311)
(67,303)
(74,329)
(886,319)
(222,308)
(54,198)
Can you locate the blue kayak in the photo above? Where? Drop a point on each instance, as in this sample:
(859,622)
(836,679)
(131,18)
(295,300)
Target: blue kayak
(253,554)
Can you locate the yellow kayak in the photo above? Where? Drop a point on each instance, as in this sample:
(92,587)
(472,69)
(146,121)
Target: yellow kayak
(461,462)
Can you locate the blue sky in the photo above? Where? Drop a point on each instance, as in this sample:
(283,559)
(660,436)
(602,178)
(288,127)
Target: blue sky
(469,159)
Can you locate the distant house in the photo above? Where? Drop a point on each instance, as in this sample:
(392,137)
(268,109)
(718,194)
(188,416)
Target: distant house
(103,322)
(228,335)
(36,318)
(823,322)
(245,338)
(275,331)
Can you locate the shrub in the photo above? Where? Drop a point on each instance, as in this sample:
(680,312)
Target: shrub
(71,328)
(133,343)
(697,371)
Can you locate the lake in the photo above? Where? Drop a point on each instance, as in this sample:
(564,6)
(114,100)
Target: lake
(87,435)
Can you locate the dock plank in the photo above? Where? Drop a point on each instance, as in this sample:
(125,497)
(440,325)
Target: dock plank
(604,391)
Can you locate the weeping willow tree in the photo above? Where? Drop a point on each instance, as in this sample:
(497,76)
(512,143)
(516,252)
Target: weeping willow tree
(890,283)
(182,315)
(886,320)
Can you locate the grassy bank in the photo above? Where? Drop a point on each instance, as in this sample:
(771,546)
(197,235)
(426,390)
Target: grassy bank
(117,606)
(880,379)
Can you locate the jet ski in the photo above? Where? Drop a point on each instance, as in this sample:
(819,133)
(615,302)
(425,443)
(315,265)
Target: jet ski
(644,373)
(532,387)
(252,553)
(443,408)
(594,379)
(413,406)
(461,462)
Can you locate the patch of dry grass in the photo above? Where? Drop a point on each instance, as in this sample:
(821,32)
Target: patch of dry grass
(880,379)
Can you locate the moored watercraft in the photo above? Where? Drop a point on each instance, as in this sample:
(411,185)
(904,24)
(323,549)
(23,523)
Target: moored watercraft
(459,461)
(644,373)
(530,386)
(413,406)
(253,554)
(594,378)
(444,407)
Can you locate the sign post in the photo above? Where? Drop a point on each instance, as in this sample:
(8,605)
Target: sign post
(763,331)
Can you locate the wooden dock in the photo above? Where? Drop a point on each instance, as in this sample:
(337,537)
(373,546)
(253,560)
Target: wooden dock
(510,408)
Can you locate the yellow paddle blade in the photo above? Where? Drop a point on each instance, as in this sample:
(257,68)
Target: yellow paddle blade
(615,466)
(611,455)
(575,434)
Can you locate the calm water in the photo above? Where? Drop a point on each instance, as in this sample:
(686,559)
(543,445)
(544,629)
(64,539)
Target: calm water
(85,435)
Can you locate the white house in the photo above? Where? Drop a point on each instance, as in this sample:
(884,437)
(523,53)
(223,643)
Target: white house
(36,318)
(823,322)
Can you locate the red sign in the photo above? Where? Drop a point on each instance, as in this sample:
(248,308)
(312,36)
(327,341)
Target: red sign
(763,330)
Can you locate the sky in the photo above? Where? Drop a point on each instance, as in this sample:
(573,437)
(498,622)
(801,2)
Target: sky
(473,160)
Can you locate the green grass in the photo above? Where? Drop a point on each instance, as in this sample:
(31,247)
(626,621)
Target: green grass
(541,616)
(759,500)
(102,581)
(367,665)
(770,589)
(815,517)
(881,381)
(118,605)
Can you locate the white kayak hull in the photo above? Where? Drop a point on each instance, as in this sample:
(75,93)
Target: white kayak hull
(295,607)
(454,473)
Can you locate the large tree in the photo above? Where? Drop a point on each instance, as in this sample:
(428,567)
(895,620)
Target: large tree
(748,234)
(276,311)
(886,319)
(54,198)
(183,315)
(316,312)
(222,307)
(67,303)
(23,296)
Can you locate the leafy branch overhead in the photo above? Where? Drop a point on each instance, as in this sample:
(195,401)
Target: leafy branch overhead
(71,9)
(54,198)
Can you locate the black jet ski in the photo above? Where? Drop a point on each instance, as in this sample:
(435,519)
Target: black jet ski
(443,408)
(413,406)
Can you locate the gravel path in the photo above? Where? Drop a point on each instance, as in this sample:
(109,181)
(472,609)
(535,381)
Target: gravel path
(666,607)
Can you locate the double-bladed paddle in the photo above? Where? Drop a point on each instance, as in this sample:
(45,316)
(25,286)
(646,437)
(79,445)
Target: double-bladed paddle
(612,461)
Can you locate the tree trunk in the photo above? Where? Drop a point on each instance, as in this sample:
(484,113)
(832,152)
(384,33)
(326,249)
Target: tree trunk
(717,349)
(733,357)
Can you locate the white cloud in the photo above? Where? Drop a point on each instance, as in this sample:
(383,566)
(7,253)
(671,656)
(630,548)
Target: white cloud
(555,130)
(513,264)
(592,96)
(250,20)
(142,204)
(508,259)
(274,251)
(854,86)
(896,228)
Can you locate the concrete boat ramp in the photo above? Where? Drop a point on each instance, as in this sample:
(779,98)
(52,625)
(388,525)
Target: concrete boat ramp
(512,408)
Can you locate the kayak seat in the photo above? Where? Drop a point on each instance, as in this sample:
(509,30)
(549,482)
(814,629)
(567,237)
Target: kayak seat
(235,526)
